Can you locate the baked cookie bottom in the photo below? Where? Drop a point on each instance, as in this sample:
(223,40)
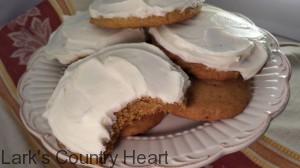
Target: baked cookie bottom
(215,100)
(199,70)
(151,21)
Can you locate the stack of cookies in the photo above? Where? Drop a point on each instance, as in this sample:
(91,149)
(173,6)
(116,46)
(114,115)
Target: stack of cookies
(196,64)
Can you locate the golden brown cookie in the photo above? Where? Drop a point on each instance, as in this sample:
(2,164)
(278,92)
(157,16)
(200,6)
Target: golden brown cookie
(152,21)
(216,100)
(198,70)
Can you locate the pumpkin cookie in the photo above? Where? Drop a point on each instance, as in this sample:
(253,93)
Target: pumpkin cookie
(111,91)
(142,13)
(215,100)
(214,45)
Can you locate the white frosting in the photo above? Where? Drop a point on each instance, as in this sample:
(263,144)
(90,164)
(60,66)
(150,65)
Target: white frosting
(80,111)
(77,38)
(138,8)
(217,39)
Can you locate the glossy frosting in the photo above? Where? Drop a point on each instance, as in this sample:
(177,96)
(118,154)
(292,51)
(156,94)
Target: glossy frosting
(217,39)
(80,111)
(77,38)
(138,8)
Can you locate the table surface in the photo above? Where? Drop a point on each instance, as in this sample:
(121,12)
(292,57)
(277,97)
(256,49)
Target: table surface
(12,140)
(277,16)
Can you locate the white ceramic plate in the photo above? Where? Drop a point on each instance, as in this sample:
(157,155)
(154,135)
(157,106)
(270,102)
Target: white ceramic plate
(188,143)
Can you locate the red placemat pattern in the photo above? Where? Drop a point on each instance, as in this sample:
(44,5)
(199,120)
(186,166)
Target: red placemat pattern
(23,36)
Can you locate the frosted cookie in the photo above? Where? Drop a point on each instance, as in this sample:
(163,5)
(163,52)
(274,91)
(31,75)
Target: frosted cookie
(77,38)
(215,45)
(211,101)
(105,93)
(142,13)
